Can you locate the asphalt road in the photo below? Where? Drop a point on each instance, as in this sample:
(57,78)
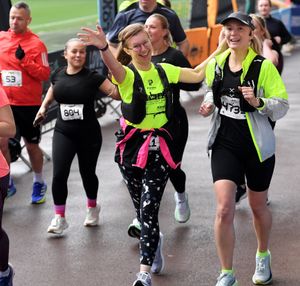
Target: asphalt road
(106,256)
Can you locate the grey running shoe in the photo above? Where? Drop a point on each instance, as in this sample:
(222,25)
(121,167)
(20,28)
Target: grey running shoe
(92,216)
(263,273)
(226,279)
(182,209)
(134,229)
(159,261)
(143,279)
(58,225)
(241,193)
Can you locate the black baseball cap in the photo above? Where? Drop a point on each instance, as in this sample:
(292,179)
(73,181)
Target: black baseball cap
(240,16)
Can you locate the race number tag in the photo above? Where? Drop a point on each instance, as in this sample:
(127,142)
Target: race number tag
(71,111)
(154,143)
(11,78)
(231,108)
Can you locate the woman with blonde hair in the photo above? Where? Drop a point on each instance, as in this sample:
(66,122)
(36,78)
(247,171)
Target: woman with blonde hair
(263,35)
(146,143)
(241,139)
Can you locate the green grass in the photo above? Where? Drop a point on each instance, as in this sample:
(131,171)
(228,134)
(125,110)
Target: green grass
(56,21)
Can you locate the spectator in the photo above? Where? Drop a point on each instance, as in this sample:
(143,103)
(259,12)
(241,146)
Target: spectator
(276,28)
(7,129)
(138,13)
(24,65)
(242,140)
(77,130)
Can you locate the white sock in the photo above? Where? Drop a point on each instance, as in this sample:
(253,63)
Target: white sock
(38,177)
(5,273)
(181,197)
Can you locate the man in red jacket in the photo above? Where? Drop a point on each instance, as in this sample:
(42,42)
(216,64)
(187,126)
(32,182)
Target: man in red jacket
(23,67)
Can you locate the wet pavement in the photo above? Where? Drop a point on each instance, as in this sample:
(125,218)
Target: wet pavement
(106,256)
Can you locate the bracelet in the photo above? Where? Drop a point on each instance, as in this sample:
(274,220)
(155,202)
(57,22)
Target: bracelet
(104,49)
(261,103)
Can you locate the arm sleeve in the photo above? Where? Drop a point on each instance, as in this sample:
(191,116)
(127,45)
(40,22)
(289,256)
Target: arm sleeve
(119,23)
(284,34)
(176,28)
(272,91)
(36,65)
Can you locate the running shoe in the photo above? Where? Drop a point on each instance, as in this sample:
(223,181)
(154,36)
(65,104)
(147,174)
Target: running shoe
(263,273)
(58,225)
(11,189)
(226,279)
(8,280)
(38,193)
(143,279)
(182,209)
(159,261)
(241,193)
(134,229)
(92,216)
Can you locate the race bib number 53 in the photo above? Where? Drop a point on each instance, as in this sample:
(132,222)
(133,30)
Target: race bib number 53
(71,111)
(11,78)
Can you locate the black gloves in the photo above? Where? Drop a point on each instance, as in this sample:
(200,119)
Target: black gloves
(20,54)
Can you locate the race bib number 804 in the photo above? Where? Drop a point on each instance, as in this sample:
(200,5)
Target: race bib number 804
(71,111)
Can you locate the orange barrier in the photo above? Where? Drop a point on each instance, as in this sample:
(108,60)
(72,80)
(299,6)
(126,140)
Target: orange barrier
(214,37)
(198,41)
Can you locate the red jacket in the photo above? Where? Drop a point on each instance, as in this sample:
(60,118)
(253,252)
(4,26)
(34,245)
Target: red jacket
(22,79)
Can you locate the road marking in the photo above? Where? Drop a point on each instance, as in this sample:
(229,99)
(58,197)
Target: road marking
(59,23)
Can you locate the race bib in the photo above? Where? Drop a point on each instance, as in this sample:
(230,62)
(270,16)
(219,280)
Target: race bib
(71,111)
(154,143)
(231,108)
(11,78)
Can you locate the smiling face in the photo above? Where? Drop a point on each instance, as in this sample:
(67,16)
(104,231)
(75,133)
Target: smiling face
(139,48)
(264,8)
(237,35)
(75,54)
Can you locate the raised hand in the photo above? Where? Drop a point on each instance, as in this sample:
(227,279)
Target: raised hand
(91,37)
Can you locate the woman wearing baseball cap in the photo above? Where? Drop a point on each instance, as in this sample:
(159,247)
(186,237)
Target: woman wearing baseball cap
(246,91)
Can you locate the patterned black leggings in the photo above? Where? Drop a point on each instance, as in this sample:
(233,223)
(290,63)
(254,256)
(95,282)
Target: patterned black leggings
(4,242)
(146,187)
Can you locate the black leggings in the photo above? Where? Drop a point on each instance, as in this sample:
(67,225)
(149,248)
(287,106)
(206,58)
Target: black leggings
(4,241)
(177,176)
(64,150)
(146,187)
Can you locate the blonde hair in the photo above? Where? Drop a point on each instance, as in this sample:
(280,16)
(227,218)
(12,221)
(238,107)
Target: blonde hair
(72,40)
(126,34)
(262,25)
(165,25)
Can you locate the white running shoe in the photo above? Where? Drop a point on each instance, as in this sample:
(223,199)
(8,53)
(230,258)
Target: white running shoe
(263,273)
(92,216)
(182,210)
(143,279)
(58,225)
